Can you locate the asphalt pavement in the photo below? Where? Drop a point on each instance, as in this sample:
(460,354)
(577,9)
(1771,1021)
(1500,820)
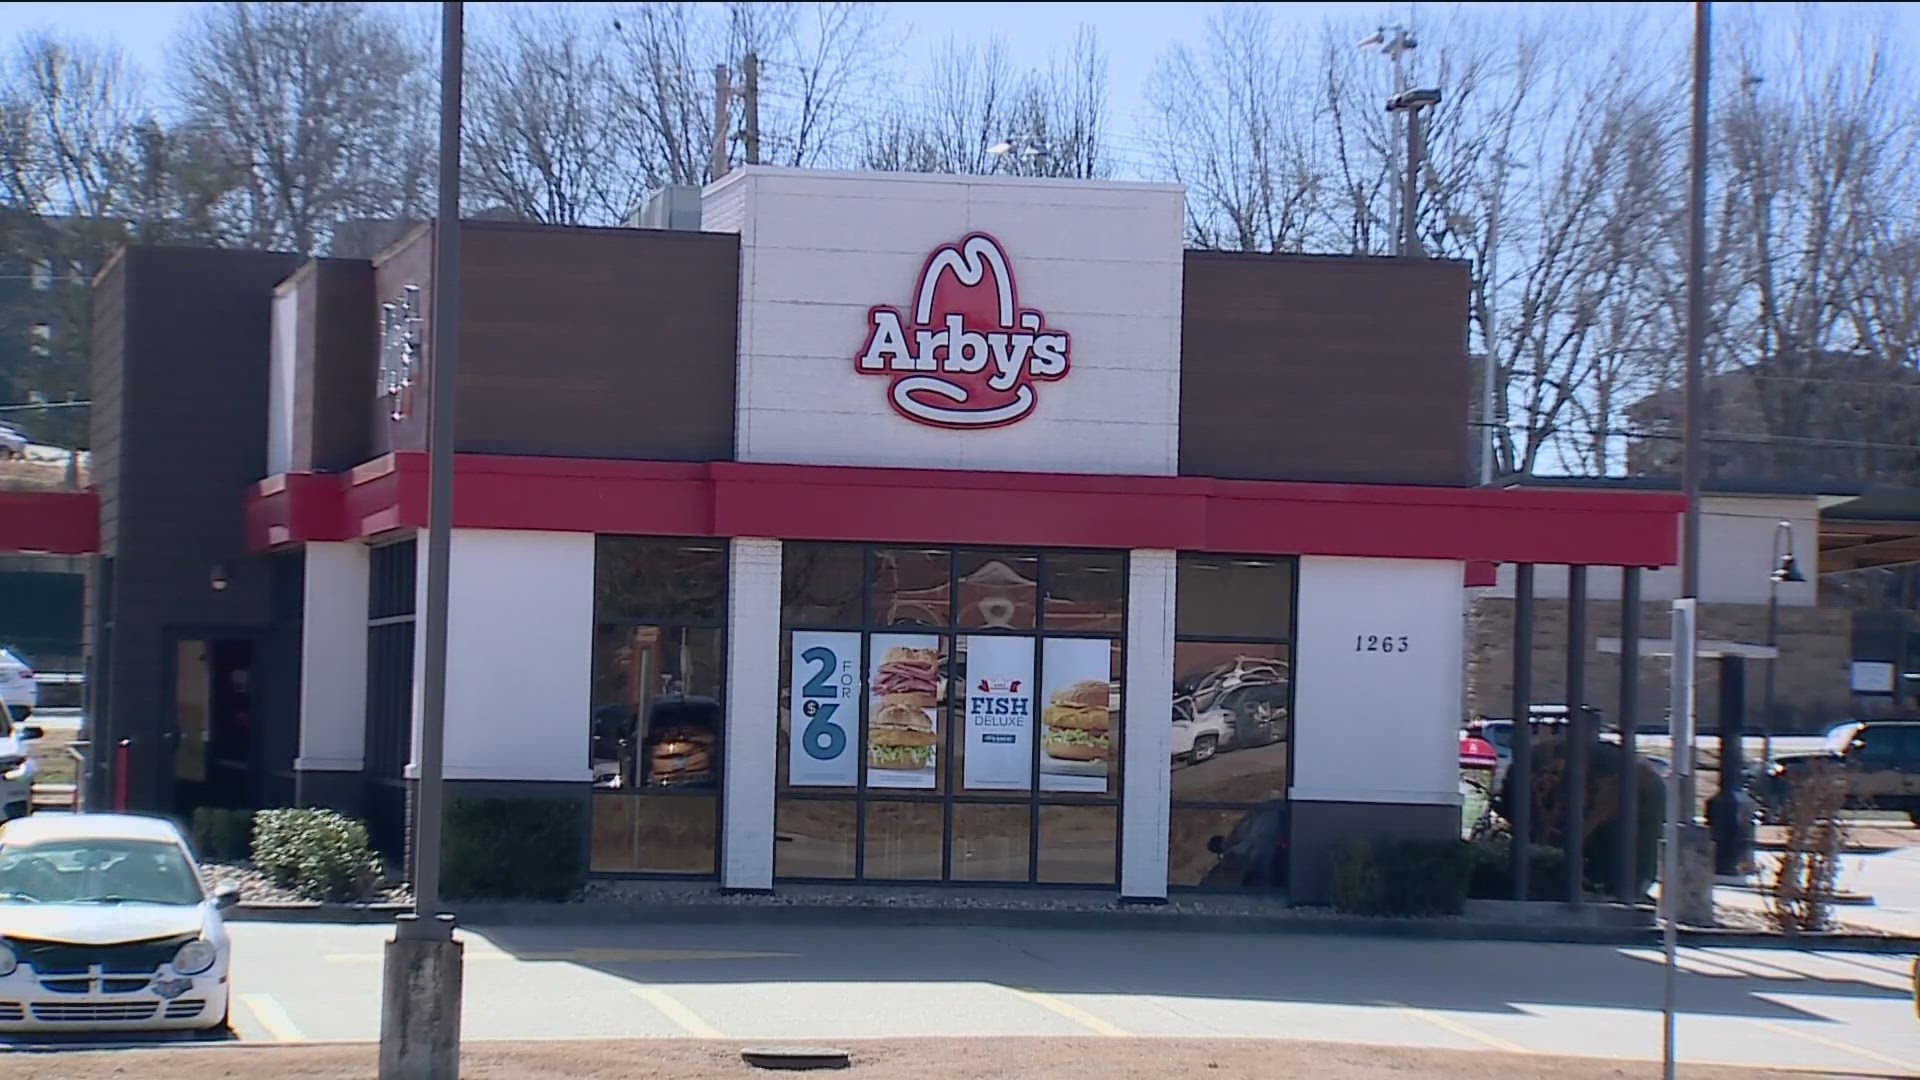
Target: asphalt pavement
(1841,1012)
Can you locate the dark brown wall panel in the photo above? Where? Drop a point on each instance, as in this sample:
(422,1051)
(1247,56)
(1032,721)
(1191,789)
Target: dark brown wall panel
(1324,369)
(346,358)
(104,388)
(614,343)
(193,369)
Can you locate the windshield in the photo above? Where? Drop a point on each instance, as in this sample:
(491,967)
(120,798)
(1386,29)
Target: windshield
(97,872)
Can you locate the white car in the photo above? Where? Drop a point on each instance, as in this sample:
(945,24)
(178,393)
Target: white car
(106,925)
(19,690)
(1197,738)
(13,444)
(16,767)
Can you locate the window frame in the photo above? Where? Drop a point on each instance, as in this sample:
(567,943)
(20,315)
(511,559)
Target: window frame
(1290,641)
(717,792)
(949,793)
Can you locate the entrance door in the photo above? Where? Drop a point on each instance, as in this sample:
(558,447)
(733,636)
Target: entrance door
(212,711)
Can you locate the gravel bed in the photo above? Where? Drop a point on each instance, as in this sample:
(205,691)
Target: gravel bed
(656,892)
(257,888)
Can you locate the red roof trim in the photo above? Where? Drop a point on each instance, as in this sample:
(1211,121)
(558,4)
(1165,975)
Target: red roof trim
(804,502)
(49,522)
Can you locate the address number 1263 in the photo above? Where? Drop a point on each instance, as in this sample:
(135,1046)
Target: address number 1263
(1380,643)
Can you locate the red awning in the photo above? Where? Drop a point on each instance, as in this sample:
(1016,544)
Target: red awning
(803,502)
(49,522)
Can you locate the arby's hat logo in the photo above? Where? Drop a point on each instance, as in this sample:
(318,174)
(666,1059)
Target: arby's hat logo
(967,355)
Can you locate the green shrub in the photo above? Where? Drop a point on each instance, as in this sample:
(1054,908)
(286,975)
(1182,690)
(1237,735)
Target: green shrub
(221,835)
(1492,877)
(322,854)
(514,849)
(1403,878)
(1600,851)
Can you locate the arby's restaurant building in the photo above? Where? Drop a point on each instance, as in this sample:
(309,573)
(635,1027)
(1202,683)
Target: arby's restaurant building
(881,528)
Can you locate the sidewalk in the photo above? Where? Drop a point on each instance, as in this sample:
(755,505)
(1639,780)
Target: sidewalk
(1890,877)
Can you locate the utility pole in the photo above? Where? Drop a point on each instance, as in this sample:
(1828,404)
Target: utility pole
(423,964)
(751,104)
(1395,42)
(1491,345)
(722,107)
(1410,190)
(1411,102)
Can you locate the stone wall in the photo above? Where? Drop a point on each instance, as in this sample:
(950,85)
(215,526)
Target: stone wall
(1811,688)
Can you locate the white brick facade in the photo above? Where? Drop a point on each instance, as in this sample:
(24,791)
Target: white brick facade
(519,655)
(1148,704)
(753,687)
(1102,261)
(333,659)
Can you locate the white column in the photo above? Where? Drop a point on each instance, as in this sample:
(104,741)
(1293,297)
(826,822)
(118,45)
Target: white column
(333,659)
(1147,701)
(1376,692)
(753,684)
(519,656)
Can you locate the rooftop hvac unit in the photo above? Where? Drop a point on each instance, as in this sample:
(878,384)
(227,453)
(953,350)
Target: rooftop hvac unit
(676,206)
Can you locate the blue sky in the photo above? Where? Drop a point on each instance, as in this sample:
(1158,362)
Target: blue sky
(1133,34)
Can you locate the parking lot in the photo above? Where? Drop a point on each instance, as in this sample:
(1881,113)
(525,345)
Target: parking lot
(1841,1012)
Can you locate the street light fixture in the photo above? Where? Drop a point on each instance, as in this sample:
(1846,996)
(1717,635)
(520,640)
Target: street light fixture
(1786,571)
(1026,149)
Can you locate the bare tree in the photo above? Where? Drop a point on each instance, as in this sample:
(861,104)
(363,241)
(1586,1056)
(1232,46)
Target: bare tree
(978,114)
(548,134)
(1223,128)
(815,62)
(325,106)
(1815,272)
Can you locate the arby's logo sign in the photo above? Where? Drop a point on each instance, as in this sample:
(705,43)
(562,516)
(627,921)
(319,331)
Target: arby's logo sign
(966,355)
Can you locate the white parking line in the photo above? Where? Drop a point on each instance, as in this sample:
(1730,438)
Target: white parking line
(271,1017)
(1447,1023)
(672,1009)
(1902,1064)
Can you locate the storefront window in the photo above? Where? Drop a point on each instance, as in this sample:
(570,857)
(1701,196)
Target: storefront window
(659,674)
(955,718)
(822,585)
(1232,723)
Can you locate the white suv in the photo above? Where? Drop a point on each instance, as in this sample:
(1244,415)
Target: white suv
(16,766)
(18,690)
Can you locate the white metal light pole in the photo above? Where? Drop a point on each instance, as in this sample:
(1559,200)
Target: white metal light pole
(420,1004)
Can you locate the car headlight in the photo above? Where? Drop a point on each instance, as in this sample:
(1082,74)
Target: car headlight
(195,957)
(9,963)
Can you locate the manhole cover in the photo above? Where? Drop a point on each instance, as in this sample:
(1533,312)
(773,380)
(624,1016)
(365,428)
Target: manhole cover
(794,1057)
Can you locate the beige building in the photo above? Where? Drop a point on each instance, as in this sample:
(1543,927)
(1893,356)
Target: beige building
(1741,543)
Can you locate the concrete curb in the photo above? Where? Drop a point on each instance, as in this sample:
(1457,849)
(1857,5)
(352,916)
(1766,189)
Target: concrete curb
(1133,918)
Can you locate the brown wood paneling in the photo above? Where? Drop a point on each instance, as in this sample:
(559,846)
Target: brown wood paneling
(346,358)
(409,263)
(1324,369)
(615,343)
